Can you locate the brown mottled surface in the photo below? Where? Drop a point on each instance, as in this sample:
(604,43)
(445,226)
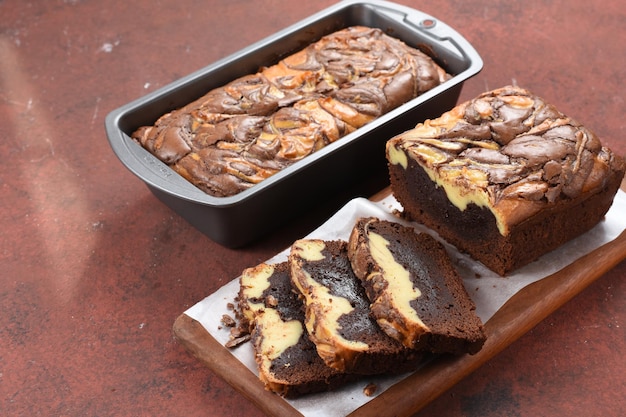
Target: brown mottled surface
(94,270)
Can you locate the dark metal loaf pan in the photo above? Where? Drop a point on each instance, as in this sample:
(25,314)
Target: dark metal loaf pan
(358,158)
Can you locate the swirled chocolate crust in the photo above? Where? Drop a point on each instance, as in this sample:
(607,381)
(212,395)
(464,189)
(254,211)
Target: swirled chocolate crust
(416,294)
(337,312)
(287,360)
(244,132)
(505,177)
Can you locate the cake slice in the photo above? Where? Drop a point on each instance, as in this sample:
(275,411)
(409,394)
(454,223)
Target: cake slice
(416,294)
(504,177)
(338,318)
(287,360)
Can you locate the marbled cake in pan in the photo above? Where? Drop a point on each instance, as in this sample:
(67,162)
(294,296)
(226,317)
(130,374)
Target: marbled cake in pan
(240,134)
(278,178)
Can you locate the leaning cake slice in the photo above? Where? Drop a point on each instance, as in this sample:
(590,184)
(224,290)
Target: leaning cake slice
(287,360)
(504,177)
(337,312)
(416,293)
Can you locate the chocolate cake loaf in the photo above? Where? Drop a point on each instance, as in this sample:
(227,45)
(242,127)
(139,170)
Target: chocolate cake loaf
(505,177)
(416,294)
(337,312)
(237,135)
(287,360)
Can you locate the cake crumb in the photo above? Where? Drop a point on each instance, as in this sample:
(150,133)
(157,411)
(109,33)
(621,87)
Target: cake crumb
(370,389)
(228,321)
(237,341)
(239,333)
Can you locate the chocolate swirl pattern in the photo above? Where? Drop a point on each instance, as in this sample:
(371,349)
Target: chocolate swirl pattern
(511,145)
(244,132)
(505,177)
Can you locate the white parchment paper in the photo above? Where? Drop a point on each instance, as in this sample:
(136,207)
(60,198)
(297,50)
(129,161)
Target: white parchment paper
(488,290)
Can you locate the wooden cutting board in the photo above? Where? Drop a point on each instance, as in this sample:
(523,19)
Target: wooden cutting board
(517,316)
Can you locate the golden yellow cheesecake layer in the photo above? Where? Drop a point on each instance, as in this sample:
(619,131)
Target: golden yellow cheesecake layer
(400,289)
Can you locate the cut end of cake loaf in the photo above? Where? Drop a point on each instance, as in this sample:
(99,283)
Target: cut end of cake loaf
(416,293)
(338,317)
(287,360)
(504,177)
